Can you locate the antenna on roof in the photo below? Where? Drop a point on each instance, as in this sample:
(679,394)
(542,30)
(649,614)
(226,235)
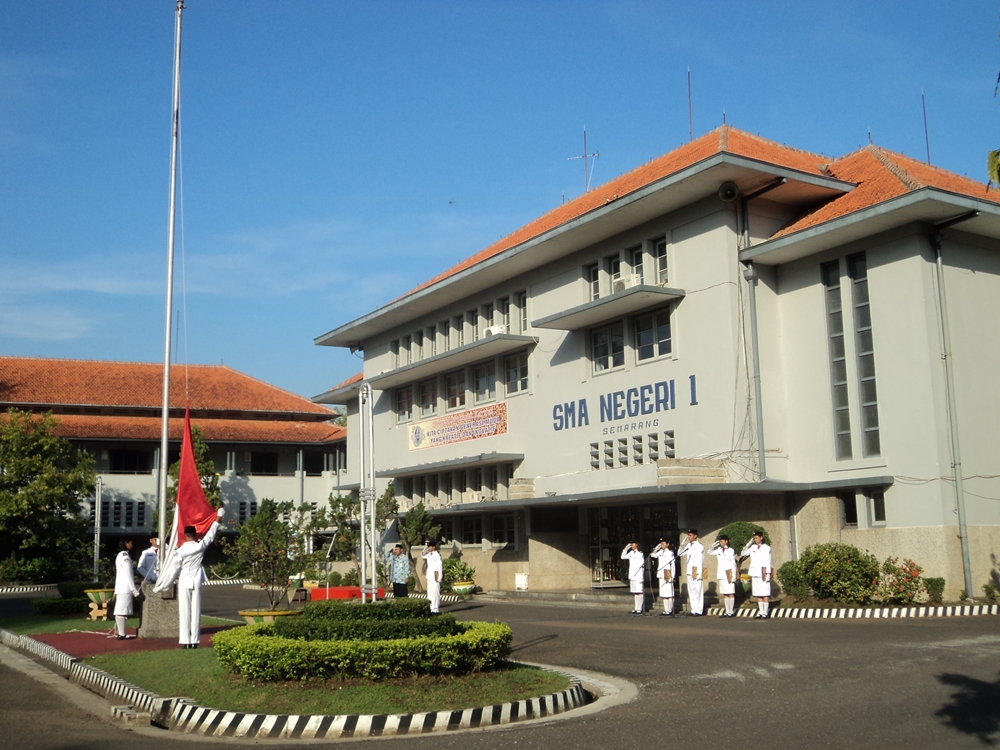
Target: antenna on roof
(690,118)
(723,115)
(927,137)
(869,135)
(588,171)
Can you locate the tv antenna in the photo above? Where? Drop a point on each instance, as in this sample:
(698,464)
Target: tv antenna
(588,170)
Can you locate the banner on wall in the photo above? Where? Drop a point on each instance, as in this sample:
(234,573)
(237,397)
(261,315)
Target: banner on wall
(483,421)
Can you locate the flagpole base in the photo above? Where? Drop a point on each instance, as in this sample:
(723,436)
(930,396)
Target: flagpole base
(159,613)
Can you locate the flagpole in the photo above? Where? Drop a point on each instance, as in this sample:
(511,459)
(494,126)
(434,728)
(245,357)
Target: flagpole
(171,225)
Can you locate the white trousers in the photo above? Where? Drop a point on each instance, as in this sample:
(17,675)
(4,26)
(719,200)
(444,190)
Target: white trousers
(434,594)
(696,595)
(189,614)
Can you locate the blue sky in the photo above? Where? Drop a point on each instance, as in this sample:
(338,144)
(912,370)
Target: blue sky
(336,154)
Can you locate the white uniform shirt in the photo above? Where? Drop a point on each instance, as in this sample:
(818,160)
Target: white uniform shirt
(727,561)
(124,577)
(664,562)
(434,564)
(187,561)
(149,564)
(695,552)
(760,559)
(636,563)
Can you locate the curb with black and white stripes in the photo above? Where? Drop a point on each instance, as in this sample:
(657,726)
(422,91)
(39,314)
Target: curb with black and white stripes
(184,715)
(867,613)
(27,589)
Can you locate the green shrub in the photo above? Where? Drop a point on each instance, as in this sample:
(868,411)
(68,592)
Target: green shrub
(74,606)
(256,653)
(456,570)
(740,533)
(900,583)
(38,570)
(314,629)
(840,572)
(75,589)
(350,578)
(394,609)
(935,590)
(792,581)
(335,578)
(991,593)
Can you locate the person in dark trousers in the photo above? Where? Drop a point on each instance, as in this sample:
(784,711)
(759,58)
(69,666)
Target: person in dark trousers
(399,571)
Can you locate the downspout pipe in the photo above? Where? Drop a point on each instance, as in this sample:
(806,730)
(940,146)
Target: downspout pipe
(750,275)
(936,239)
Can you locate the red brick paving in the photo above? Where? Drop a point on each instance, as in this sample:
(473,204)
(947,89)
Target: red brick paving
(81,644)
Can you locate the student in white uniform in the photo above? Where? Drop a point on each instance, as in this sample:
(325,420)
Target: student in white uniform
(125,588)
(727,574)
(664,556)
(149,561)
(695,552)
(761,573)
(636,575)
(435,572)
(186,568)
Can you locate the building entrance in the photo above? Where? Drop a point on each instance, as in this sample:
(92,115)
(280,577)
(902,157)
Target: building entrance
(611,528)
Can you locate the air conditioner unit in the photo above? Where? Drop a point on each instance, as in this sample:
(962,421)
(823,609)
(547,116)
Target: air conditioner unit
(494,330)
(626,283)
(618,286)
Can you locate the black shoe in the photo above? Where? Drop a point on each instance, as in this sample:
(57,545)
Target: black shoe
(122,637)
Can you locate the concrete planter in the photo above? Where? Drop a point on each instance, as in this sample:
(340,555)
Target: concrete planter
(463,588)
(99,601)
(257,616)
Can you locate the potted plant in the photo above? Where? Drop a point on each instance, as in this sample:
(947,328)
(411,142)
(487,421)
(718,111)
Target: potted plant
(459,576)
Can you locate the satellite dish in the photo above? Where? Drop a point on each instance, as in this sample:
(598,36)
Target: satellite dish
(728,192)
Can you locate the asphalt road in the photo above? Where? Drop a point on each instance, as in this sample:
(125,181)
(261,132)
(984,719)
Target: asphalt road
(703,682)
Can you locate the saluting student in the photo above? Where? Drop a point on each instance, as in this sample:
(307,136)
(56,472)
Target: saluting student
(664,556)
(727,574)
(435,572)
(636,572)
(125,588)
(761,573)
(696,574)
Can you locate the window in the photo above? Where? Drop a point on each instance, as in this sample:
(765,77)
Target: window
(608,346)
(394,353)
(472,316)
(472,530)
(522,309)
(477,480)
(418,346)
(492,480)
(668,445)
(653,446)
(428,398)
(432,341)
(312,463)
(614,266)
(447,485)
(406,488)
(609,454)
(419,489)
(504,530)
(865,351)
(635,262)
(126,461)
(488,315)
(404,404)
(838,360)
(406,350)
(432,487)
(454,383)
(459,326)
(660,261)
(876,507)
(140,514)
(849,509)
(485,382)
(264,462)
(516,373)
(592,275)
(595,456)
(503,307)
(446,335)
(446,533)
(652,335)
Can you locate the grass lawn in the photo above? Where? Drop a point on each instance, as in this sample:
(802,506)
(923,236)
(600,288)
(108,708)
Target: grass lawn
(197,674)
(31,624)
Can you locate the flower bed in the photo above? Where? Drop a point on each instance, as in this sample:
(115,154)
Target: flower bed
(257,653)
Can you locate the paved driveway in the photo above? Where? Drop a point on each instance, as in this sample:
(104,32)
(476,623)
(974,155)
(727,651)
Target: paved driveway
(704,682)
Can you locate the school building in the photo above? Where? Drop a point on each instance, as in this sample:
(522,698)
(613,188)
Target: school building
(736,330)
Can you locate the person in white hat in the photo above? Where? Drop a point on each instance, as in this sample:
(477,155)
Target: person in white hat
(761,573)
(695,552)
(435,572)
(728,574)
(636,574)
(664,556)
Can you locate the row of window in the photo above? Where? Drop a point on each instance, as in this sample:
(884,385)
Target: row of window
(481,483)
(634,450)
(500,530)
(644,263)
(469,385)
(857,274)
(651,339)
(503,315)
(874,504)
(117,514)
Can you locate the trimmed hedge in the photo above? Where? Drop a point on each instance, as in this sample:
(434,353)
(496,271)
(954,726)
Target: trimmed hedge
(396,609)
(257,653)
(75,589)
(316,629)
(74,606)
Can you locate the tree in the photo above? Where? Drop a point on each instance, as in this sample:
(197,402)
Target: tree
(416,527)
(274,549)
(44,481)
(345,519)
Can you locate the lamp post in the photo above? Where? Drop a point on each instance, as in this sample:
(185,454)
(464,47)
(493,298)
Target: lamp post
(97,528)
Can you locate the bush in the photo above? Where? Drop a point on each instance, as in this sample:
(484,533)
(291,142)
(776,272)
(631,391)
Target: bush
(935,590)
(315,629)
(73,606)
(38,570)
(350,578)
(840,572)
(900,583)
(740,534)
(335,578)
(256,653)
(75,589)
(991,593)
(396,609)
(792,581)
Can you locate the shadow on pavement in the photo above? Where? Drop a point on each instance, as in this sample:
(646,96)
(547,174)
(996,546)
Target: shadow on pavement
(533,642)
(974,708)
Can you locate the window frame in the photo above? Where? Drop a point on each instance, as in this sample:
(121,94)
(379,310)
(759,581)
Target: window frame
(430,408)
(659,347)
(397,402)
(490,366)
(611,354)
(521,367)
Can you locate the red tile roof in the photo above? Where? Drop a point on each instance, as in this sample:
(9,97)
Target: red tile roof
(76,427)
(31,380)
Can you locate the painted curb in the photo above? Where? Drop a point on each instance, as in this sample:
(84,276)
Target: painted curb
(27,589)
(184,715)
(865,613)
